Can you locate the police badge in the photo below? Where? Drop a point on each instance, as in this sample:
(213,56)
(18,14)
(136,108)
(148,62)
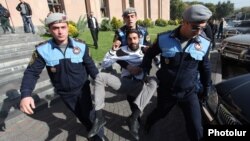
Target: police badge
(76,50)
(197,46)
(148,38)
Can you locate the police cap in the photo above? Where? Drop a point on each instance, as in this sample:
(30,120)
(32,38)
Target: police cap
(196,13)
(55,18)
(128,11)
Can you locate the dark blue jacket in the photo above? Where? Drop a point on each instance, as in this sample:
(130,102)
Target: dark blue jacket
(68,71)
(180,67)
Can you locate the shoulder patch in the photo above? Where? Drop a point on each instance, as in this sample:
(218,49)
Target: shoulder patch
(42,43)
(78,40)
(33,57)
(148,38)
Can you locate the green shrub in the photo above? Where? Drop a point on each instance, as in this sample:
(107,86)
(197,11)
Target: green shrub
(178,21)
(116,23)
(106,25)
(73,30)
(148,23)
(171,22)
(72,23)
(81,23)
(139,22)
(161,22)
(174,22)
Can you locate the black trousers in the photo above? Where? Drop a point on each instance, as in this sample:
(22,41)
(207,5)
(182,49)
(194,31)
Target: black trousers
(189,104)
(80,103)
(94,34)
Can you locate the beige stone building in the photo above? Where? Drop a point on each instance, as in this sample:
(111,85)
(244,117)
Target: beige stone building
(153,9)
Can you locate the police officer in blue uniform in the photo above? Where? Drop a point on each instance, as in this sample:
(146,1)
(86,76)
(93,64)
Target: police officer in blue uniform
(68,64)
(184,52)
(130,17)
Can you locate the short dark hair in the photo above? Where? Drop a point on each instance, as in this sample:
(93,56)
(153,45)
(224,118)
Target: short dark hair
(132,31)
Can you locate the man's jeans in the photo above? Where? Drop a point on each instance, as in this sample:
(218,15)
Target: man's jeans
(27,24)
(137,88)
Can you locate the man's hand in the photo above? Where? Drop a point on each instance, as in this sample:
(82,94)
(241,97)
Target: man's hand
(134,70)
(27,105)
(205,93)
(144,49)
(116,45)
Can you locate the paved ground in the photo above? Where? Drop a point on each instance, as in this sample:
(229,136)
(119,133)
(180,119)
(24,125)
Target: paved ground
(54,122)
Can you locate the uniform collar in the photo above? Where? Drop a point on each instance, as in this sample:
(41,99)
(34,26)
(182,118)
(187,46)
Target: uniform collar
(70,43)
(136,27)
(176,34)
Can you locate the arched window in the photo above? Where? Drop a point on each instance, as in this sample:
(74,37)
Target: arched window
(56,6)
(131,3)
(104,8)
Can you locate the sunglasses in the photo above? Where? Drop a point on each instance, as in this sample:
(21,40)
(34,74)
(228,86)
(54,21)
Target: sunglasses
(196,28)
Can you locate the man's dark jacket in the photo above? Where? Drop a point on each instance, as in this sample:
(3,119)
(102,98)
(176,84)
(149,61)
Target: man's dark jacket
(29,11)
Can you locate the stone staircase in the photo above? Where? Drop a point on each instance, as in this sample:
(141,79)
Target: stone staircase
(15,53)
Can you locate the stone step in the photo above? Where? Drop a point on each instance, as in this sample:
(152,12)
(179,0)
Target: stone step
(16,83)
(18,47)
(12,77)
(13,115)
(7,63)
(9,78)
(9,42)
(16,54)
(13,69)
(14,37)
(10,106)
(40,86)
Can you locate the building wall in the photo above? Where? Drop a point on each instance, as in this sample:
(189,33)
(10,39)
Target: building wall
(154,9)
(165,9)
(139,6)
(39,11)
(115,8)
(95,7)
(76,8)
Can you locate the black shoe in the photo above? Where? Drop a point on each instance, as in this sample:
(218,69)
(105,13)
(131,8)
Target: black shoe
(96,46)
(134,126)
(98,124)
(97,138)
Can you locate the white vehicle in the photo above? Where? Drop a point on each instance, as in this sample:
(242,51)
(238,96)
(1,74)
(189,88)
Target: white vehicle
(242,27)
